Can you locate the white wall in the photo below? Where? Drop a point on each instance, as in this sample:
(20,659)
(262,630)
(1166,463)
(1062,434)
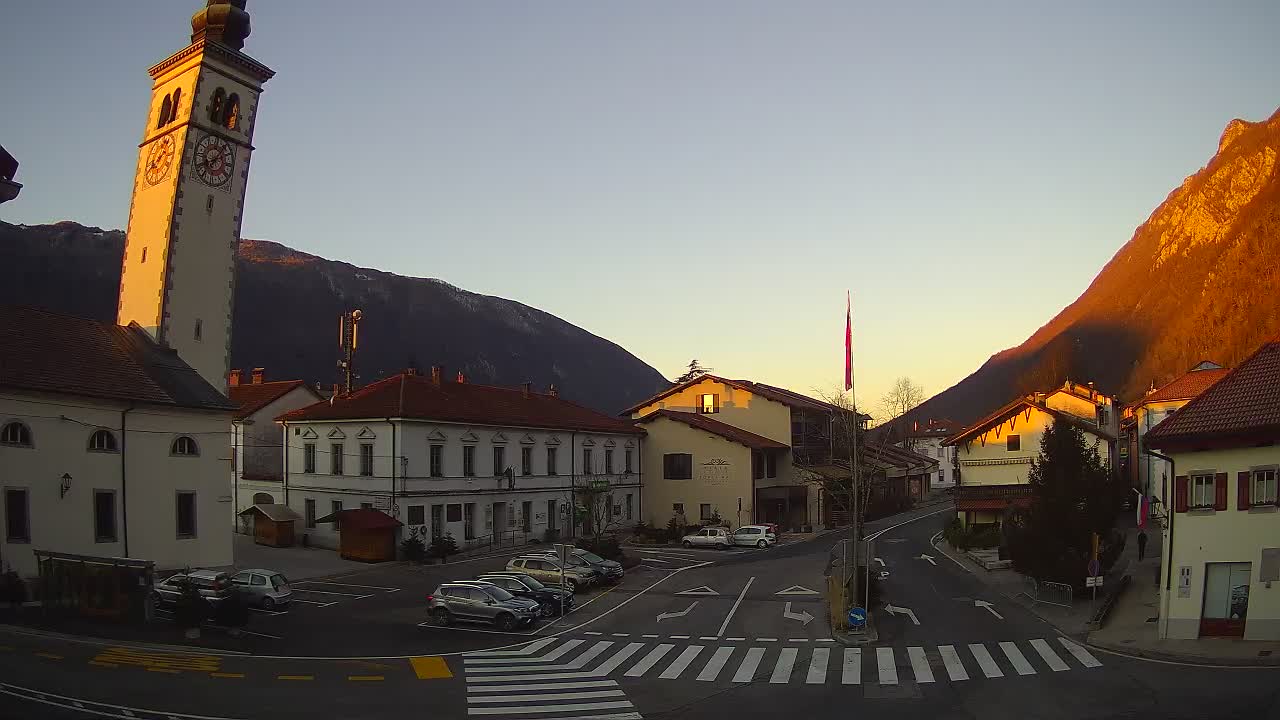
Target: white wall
(930,447)
(258,442)
(154,477)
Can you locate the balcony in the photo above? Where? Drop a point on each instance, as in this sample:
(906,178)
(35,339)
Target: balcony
(992,497)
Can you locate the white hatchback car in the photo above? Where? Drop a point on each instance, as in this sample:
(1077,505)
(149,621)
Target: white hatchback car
(754,536)
(708,537)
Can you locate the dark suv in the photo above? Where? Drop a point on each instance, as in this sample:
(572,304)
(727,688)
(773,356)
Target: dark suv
(551,600)
(480,602)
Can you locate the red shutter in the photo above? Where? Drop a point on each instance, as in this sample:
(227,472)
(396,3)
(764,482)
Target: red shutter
(1180,493)
(1242,491)
(1220,491)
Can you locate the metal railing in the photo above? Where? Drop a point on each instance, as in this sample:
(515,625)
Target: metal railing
(1049,593)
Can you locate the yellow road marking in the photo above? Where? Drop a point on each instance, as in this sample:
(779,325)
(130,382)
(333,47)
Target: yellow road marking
(366,677)
(226,675)
(295,677)
(153,659)
(6,648)
(170,671)
(430,668)
(51,656)
(102,664)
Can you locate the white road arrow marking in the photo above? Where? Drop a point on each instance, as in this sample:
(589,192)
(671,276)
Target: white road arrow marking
(803,616)
(880,561)
(702,590)
(987,605)
(797,590)
(927,557)
(893,610)
(682,613)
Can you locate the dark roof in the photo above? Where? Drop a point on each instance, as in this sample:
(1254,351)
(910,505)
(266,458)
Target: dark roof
(361,519)
(1186,387)
(932,428)
(896,456)
(251,398)
(46,352)
(1244,404)
(715,427)
(1017,406)
(777,394)
(273,511)
(420,398)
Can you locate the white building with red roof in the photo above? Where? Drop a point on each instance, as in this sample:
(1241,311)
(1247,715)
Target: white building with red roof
(1147,474)
(257,446)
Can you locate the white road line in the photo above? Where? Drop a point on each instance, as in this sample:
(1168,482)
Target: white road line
(330,592)
(709,637)
(920,665)
(649,661)
(782,668)
(535,697)
(649,636)
(323,582)
(321,604)
(586,657)
(509,710)
(830,640)
(741,639)
(620,635)
(267,612)
(951,658)
(734,609)
(679,637)
(673,671)
(541,686)
(529,649)
(1050,657)
(589,632)
(580,675)
(766,639)
(1017,659)
(887,669)
(578,663)
(650,558)
(713,667)
(988,665)
(851,671)
(798,640)
(552,656)
(818,666)
(618,658)
(1080,653)
(747,670)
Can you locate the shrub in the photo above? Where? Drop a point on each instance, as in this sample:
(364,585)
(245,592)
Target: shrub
(412,548)
(191,609)
(442,546)
(605,547)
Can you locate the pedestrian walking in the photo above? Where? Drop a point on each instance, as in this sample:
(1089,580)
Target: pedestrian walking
(1142,544)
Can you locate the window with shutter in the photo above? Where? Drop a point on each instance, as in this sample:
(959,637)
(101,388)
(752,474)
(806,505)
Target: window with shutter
(1220,491)
(1242,491)
(1180,493)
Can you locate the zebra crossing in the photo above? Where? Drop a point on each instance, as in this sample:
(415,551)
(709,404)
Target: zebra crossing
(572,676)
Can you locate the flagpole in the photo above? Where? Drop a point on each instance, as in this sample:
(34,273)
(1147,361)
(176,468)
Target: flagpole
(852,564)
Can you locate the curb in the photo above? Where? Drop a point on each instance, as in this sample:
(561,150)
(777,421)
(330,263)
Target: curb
(1162,656)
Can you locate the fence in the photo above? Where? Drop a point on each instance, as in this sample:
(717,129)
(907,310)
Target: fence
(1050,593)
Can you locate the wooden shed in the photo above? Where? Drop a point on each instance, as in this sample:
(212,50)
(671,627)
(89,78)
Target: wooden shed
(365,534)
(272,524)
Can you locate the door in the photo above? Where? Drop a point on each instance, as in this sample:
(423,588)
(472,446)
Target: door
(499,521)
(528,515)
(551,514)
(1226,599)
(437,521)
(469,521)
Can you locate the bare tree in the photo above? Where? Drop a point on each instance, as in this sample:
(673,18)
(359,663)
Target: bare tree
(594,495)
(903,397)
(694,370)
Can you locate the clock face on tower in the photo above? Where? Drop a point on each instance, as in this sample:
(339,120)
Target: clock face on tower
(214,160)
(159,159)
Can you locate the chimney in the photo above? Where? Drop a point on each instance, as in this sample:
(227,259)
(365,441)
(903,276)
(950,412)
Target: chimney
(527,386)
(233,378)
(436,370)
(257,375)
(461,378)
(1039,397)
(411,371)
(552,391)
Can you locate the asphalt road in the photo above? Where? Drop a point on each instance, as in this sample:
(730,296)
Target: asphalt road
(733,634)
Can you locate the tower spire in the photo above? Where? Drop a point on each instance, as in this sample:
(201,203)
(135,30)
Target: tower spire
(221,21)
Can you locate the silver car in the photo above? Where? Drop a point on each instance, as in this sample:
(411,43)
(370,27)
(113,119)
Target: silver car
(483,602)
(754,536)
(707,537)
(546,569)
(266,589)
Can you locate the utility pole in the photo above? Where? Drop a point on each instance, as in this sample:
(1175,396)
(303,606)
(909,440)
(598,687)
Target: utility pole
(348,340)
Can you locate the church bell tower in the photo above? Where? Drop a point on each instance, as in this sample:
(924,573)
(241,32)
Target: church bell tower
(178,277)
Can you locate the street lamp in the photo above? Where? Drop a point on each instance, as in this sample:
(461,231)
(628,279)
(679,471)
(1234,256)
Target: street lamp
(65,487)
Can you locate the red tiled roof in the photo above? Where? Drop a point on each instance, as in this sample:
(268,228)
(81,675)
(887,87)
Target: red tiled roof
(47,352)
(777,394)
(1017,406)
(418,397)
(933,428)
(361,519)
(249,399)
(992,497)
(1243,404)
(1186,387)
(715,427)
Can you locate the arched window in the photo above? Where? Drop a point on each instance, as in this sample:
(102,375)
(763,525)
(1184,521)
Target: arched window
(215,107)
(232,119)
(165,108)
(184,445)
(102,441)
(263,499)
(173,111)
(15,433)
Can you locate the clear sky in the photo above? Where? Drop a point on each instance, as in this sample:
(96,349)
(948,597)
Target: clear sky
(687,179)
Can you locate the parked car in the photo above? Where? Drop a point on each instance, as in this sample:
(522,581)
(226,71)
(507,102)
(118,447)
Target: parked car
(546,569)
(266,589)
(214,586)
(609,571)
(550,599)
(480,602)
(708,537)
(754,536)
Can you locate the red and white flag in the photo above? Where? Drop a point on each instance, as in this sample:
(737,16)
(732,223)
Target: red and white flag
(848,341)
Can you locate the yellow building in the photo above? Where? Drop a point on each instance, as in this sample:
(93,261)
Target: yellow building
(994,454)
(1221,563)
(733,449)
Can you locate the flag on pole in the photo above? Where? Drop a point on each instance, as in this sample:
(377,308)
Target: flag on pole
(848,341)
